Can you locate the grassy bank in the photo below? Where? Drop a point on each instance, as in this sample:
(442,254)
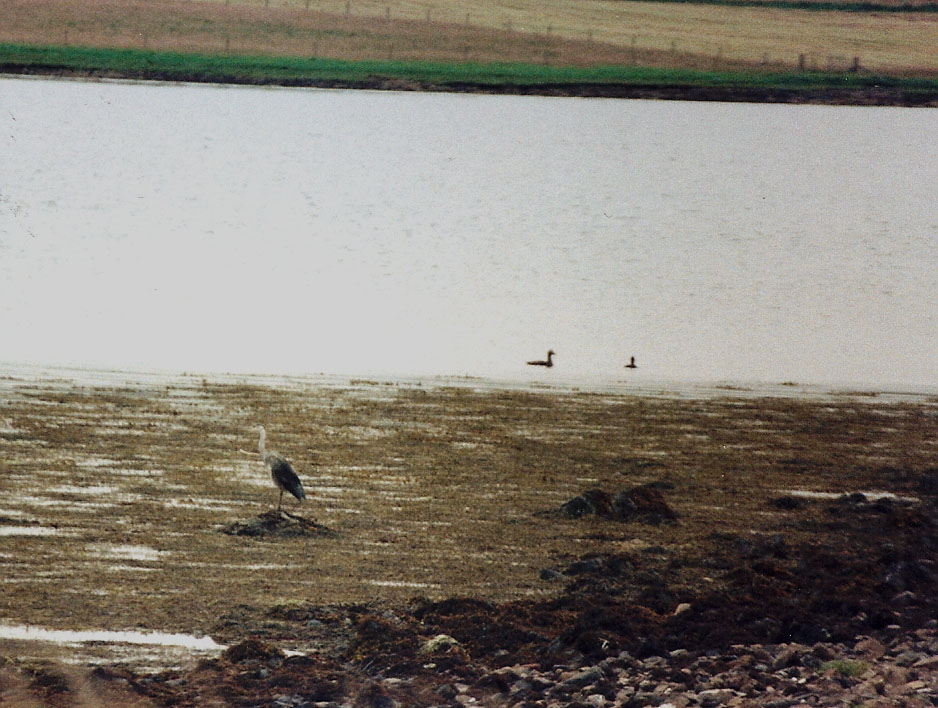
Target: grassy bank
(455,76)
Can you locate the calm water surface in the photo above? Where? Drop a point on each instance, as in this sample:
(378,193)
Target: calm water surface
(287,231)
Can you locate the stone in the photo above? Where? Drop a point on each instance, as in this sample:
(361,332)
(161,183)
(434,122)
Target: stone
(823,652)
(716,696)
(908,658)
(599,500)
(582,678)
(439,643)
(623,506)
(682,608)
(577,507)
(869,648)
(927,662)
(788,657)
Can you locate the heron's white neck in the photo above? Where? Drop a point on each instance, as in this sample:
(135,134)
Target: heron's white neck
(260,445)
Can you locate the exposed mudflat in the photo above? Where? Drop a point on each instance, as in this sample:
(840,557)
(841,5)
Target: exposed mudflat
(437,543)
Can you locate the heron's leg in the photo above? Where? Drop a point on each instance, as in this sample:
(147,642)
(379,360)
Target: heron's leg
(280,503)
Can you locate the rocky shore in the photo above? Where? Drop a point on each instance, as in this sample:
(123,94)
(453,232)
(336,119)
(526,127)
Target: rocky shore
(848,620)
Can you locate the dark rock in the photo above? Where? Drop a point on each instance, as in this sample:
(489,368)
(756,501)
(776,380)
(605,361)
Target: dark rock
(373,695)
(585,565)
(648,503)
(928,482)
(252,650)
(577,507)
(787,502)
(583,678)
(623,506)
(599,500)
(645,503)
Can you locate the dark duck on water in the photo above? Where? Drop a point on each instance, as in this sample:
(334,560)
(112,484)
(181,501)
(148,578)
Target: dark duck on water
(548,362)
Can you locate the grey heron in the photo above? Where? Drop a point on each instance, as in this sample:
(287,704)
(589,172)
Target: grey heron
(631,364)
(280,471)
(548,363)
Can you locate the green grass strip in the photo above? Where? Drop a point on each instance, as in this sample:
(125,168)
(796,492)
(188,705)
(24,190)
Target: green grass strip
(219,68)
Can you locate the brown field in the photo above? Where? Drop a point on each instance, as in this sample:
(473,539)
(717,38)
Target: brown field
(570,32)
(113,495)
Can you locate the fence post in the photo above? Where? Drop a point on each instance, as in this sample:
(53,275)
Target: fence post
(856,65)
(801,62)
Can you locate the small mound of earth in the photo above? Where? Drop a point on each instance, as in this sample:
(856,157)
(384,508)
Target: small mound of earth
(643,503)
(278,525)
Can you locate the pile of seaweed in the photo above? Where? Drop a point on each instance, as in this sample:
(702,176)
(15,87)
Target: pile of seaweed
(276,524)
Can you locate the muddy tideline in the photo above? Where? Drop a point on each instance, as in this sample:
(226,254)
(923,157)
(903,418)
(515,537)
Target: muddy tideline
(467,544)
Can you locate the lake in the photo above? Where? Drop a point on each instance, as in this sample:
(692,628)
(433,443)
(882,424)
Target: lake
(244,229)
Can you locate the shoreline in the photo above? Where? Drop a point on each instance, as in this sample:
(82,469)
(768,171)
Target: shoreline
(879,96)
(13,373)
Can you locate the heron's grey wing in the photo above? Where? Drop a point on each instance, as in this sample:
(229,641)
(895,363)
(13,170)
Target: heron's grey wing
(285,477)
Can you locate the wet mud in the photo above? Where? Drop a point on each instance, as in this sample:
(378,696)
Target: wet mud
(721,551)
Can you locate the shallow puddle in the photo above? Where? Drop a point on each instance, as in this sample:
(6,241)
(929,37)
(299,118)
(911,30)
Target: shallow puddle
(871,495)
(29,633)
(401,584)
(126,552)
(101,489)
(31,531)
